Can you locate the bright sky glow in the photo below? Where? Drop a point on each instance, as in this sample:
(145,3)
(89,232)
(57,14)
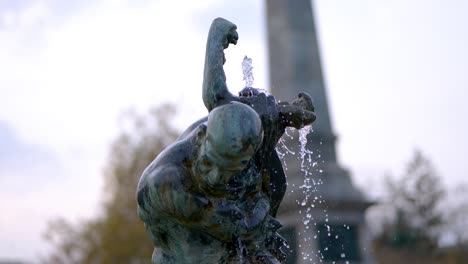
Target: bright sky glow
(395,73)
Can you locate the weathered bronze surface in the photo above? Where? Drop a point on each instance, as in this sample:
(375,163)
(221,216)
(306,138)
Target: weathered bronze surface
(212,196)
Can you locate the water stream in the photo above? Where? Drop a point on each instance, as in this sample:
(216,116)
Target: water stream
(310,170)
(247,71)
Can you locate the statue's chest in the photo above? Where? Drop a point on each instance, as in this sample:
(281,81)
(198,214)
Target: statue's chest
(248,181)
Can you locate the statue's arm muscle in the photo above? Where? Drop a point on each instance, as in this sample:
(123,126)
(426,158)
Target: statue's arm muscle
(215,92)
(165,194)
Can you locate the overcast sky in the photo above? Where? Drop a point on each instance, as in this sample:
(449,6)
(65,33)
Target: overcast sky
(396,73)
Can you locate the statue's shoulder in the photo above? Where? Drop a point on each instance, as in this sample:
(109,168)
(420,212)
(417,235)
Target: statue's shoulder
(176,158)
(190,130)
(166,168)
(175,155)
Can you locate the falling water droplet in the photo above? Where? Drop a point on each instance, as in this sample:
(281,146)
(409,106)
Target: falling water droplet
(247,71)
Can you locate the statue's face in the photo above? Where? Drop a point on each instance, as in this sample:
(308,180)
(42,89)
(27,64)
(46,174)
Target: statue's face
(234,133)
(234,162)
(216,170)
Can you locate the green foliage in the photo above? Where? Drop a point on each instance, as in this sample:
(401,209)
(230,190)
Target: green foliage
(416,200)
(118,235)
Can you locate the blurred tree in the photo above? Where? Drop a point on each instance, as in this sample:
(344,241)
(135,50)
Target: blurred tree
(118,235)
(415,200)
(418,222)
(456,224)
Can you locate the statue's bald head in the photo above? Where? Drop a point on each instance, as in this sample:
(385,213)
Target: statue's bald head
(233,134)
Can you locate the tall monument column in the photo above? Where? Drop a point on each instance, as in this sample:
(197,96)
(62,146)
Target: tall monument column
(337,232)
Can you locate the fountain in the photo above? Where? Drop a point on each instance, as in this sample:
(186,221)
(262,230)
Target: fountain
(212,196)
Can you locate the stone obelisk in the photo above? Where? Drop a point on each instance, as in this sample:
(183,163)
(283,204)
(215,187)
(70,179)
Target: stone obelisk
(337,230)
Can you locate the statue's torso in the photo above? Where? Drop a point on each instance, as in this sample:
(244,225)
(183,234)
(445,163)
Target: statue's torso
(179,244)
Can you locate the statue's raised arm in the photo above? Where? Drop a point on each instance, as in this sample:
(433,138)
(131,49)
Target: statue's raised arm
(215,92)
(212,195)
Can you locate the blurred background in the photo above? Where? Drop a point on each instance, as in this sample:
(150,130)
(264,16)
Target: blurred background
(91,91)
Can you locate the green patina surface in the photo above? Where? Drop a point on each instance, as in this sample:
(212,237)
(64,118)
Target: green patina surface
(212,196)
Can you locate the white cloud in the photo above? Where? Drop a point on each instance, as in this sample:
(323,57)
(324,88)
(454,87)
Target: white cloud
(65,81)
(105,59)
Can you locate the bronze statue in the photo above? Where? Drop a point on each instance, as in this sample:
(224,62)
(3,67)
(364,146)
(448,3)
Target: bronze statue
(211,196)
